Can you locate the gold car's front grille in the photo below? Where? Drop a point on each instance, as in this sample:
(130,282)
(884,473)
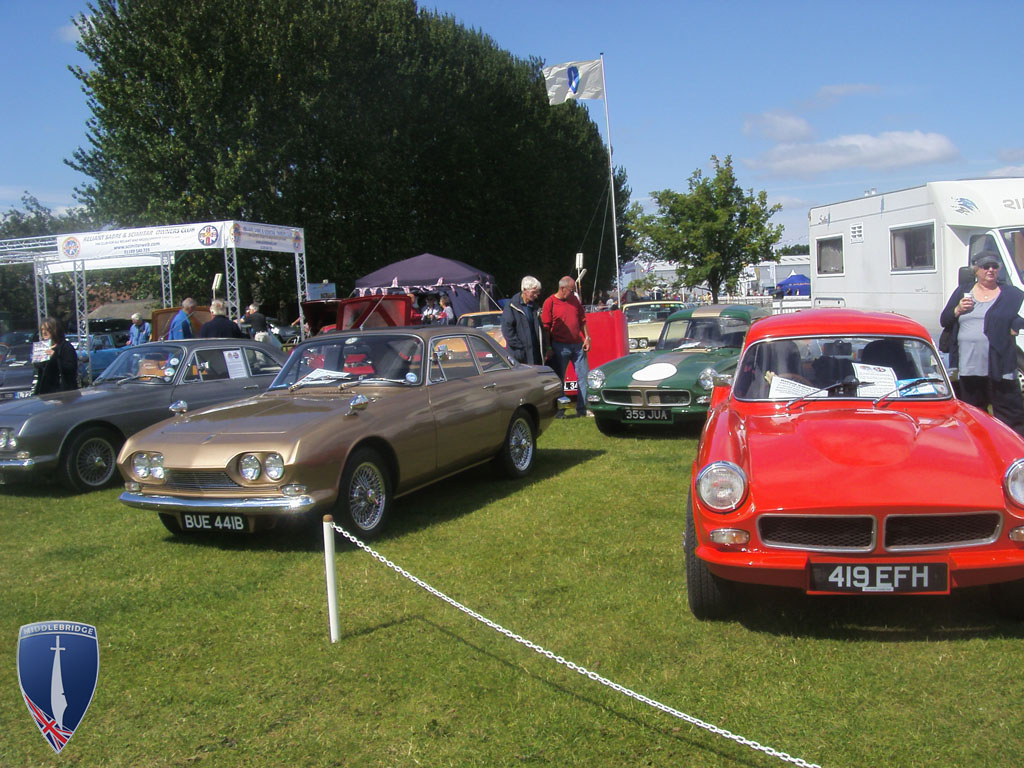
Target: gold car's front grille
(198,480)
(660,397)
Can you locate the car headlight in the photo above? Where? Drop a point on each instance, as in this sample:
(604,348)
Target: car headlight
(595,379)
(249,466)
(707,379)
(633,344)
(722,486)
(8,442)
(148,465)
(273,464)
(1013,482)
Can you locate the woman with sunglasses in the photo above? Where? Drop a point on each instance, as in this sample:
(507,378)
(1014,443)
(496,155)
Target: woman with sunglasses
(983,322)
(59,371)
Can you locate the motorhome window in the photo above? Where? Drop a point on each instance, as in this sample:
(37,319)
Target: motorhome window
(830,256)
(1013,239)
(913,248)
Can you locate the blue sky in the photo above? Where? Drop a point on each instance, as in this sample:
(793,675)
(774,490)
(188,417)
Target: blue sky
(815,101)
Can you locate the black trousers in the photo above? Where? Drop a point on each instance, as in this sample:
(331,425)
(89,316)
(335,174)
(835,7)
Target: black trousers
(1002,394)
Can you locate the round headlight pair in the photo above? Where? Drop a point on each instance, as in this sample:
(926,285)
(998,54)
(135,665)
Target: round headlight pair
(722,486)
(251,467)
(148,465)
(595,379)
(8,442)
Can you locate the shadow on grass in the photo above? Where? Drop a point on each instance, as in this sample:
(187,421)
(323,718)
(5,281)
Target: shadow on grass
(694,741)
(448,499)
(964,614)
(687,430)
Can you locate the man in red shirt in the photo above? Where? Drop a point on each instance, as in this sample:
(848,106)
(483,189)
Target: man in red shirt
(565,327)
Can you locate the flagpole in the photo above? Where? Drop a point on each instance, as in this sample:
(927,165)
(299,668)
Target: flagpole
(611,183)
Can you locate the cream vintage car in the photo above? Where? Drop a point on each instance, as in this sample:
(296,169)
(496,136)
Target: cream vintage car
(354,420)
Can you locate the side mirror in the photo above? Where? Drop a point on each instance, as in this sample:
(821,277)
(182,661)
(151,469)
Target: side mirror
(357,403)
(179,407)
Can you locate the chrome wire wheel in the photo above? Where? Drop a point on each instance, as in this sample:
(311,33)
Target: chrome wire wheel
(367,496)
(95,462)
(520,444)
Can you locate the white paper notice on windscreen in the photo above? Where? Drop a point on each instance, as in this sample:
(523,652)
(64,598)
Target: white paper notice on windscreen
(781,388)
(875,380)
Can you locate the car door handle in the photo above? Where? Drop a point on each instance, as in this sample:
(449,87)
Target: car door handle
(492,385)
(251,386)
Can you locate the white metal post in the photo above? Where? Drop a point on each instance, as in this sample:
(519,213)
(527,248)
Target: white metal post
(332,584)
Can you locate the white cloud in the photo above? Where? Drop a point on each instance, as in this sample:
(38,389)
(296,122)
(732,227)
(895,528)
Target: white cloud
(891,149)
(69,33)
(829,94)
(778,126)
(1007,170)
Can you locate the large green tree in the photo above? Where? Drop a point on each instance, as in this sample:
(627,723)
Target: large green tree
(712,232)
(384,130)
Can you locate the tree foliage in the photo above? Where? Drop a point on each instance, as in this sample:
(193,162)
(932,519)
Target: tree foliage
(17,283)
(383,130)
(713,232)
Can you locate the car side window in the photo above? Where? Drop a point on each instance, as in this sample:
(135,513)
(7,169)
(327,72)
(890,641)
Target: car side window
(450,359)
(215,365)
(486,357)
(260,363)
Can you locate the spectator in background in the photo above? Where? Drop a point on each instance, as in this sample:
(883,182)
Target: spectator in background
(220,326)
(430,311)
(565,325)
(983,321)
(520,323)
(446,315)
(181,323)
(256,319)
(59,371)
(139,332)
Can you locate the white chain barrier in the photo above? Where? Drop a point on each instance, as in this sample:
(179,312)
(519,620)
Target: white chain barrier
(330,527)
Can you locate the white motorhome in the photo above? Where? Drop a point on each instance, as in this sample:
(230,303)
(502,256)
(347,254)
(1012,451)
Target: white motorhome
(902,251)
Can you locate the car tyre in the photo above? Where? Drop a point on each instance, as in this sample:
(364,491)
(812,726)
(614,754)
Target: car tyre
(1008,599)
(709,596)
(89,460)
(608,426)
(364,496)
(519,450)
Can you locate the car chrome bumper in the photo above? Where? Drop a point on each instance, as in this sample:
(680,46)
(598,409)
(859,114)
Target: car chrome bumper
(23,464)
(267,505)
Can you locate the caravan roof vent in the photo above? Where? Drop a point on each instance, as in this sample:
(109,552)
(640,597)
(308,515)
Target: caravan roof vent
(857,233)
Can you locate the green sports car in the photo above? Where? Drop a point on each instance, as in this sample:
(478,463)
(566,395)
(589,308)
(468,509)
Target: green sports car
(672,382)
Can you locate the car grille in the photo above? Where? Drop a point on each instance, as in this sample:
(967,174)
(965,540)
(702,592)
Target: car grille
(941,531)
(842,533)
(198,480)
(660,397)
(831,533)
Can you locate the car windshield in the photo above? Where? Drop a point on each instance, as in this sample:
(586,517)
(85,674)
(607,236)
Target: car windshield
(341,358)
(718,331)
(861,367)
(490,320)
(650,313)
(149,362)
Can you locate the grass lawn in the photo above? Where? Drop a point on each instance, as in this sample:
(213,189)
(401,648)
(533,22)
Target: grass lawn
(216,651)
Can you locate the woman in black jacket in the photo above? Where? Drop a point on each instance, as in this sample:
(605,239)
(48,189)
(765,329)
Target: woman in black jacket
(59,372)
(983,323)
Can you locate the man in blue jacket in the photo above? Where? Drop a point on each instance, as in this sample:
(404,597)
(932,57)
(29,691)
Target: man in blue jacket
(181,323)
(520,324)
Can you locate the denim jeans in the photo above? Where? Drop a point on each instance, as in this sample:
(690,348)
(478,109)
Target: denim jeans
(562,355)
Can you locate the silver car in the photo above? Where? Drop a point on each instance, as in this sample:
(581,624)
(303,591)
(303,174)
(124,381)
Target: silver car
(78,434)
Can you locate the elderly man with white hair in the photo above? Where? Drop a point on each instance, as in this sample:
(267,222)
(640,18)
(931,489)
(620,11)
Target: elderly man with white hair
(520,323)
(220,326)
(139,332)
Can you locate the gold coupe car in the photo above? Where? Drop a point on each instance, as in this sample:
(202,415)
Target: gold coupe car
(354,420)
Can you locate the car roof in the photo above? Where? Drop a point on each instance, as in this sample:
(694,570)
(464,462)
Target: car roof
(834,322)
(423,331)
(743,311)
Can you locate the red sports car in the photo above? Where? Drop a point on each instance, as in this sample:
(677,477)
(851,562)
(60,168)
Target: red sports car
(838,461)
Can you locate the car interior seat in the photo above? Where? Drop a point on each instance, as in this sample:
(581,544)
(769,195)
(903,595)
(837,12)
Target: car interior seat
(889,353)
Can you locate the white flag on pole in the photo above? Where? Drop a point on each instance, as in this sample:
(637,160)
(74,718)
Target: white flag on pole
(574,80)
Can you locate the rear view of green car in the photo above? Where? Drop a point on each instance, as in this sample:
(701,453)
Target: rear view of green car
(671,383)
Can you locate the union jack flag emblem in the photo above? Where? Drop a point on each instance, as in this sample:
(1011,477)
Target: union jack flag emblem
(72,247)
(58,665)
(208,235)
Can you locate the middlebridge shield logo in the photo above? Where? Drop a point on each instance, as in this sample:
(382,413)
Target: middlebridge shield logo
(58,665)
